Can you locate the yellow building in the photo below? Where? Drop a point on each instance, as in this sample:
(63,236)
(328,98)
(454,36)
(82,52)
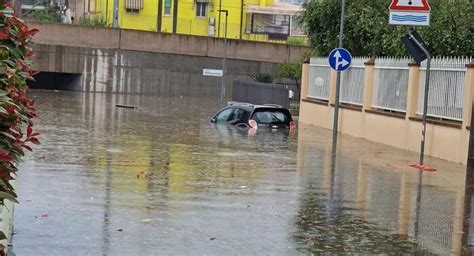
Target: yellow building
(262,20)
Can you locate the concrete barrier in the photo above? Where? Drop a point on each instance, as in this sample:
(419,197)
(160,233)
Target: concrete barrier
(135,40)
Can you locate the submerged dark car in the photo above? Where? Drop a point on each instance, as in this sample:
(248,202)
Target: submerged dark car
(246,115)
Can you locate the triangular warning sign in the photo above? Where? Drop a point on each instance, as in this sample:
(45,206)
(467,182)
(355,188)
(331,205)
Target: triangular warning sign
(410,5)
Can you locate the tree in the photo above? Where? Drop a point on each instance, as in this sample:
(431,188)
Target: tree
(292,70)
(367,32)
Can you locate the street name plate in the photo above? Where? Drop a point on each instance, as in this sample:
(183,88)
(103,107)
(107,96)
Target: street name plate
(212,72)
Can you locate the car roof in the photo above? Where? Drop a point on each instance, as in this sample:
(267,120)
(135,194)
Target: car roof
(250,106)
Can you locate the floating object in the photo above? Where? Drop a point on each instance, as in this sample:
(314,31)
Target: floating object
(124,106)
(42,216)
(423,167)
(142,174)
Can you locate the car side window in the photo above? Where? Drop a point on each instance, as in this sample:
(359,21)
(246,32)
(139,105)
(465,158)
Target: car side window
(238,114)
(224,115)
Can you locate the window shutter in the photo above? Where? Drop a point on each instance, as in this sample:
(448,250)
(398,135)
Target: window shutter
(134,4)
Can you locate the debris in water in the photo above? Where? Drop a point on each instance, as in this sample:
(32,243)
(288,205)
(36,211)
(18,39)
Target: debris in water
(142,174)
(423,167)
(42,216)
(125,106)
(212,238)
(119,229)
(146,220)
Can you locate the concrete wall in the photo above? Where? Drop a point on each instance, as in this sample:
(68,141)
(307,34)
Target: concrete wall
(134,40)
(130,71)
(444,139)
(129,61)
(443,142)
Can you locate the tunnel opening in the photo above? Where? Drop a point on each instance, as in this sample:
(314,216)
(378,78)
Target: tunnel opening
(57,81)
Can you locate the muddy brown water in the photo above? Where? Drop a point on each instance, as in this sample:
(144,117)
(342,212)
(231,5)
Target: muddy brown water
(161,180)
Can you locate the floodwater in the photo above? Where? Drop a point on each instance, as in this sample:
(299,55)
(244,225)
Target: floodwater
(161,180)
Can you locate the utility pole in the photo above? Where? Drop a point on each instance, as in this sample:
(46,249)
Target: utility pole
(224,57)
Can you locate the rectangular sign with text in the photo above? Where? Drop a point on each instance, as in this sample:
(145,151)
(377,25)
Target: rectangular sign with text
(212,72)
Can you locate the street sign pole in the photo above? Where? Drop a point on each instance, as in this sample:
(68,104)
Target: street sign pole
(425,98)
(338,83)
(415,13)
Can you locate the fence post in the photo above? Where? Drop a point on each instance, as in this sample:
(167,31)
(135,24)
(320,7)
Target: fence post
(368,83)
(468,90)
(304,80)
(413,89)
(332,87)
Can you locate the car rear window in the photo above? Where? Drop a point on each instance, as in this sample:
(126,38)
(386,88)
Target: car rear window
(271,116)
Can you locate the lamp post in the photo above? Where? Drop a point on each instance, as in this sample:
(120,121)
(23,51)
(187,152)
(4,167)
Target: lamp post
(224,57)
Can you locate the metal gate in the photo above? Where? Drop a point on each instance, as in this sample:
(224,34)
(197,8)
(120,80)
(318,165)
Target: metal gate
(260,93)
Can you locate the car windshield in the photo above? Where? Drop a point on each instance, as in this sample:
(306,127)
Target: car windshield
(271,116)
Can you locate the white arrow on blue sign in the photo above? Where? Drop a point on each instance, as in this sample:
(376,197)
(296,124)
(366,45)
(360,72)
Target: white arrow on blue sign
(340,59)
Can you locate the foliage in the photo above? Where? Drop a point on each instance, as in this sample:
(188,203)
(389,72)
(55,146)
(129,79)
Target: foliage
(93,21)
(262,78)
(48,14)
(296,41)
(292,70)
(16,109)
(367,31)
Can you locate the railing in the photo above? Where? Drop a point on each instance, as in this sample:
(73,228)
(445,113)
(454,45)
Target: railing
(352,82)
(390,84)
(197,26)
(319,77)
(446,92)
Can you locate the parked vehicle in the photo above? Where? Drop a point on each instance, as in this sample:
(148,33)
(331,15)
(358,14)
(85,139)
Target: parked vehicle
(246,115)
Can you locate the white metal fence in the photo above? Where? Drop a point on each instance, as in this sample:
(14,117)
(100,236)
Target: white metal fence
(319,77)
(446,92)
(352,82)
(390,83)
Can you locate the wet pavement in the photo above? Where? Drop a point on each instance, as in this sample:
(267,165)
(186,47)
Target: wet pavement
(161,180)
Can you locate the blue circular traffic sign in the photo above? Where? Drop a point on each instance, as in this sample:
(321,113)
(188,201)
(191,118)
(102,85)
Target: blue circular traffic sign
(340,59)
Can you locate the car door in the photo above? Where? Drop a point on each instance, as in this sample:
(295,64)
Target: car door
(224,115)
(239,116)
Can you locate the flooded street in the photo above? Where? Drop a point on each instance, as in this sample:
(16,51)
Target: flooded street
(161,180)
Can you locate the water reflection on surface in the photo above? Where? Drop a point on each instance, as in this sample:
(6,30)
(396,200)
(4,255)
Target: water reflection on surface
(160,179)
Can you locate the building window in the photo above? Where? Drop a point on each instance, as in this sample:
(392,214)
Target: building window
(133,5)
(167,7)
(296,28)
(201,9)
(270,24)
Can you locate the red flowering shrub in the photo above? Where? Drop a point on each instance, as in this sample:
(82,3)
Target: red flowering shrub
(16,110)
